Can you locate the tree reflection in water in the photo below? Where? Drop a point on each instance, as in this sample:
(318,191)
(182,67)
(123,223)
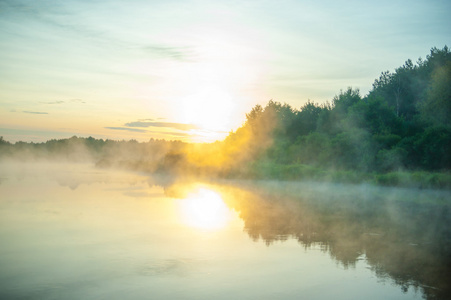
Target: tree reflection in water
(404,235)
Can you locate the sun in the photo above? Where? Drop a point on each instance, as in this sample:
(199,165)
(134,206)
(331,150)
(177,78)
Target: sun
(210,108)
(212,90)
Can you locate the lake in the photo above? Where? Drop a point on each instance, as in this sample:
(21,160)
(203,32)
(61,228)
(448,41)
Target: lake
(77,232)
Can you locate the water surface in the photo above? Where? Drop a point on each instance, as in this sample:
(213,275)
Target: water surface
(75,232)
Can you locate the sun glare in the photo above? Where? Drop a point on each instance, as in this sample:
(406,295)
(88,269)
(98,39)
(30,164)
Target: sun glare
(210,108)
(212,86)
(204,209)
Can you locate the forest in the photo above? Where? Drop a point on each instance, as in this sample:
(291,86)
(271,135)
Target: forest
(397,134)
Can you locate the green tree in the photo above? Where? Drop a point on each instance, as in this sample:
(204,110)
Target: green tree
(374,115)
(437,107)
(305,120)
(434,148)
(343,101)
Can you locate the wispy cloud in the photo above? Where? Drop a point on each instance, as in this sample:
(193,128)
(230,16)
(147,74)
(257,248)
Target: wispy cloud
(178,134)
(179,126)
(127,129)
(53,102)
(176,53)
(35,112)
(171,133)
(62,17)
(77,101)
(62,101)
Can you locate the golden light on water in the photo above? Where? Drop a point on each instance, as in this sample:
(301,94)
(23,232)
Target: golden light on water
(204,209)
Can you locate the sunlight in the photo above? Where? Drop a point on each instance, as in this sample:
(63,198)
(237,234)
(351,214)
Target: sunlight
(212,91)
(204,209)
(209,108)
(207,136)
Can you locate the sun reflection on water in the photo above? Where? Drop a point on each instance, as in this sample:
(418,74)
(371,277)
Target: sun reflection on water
(204,209)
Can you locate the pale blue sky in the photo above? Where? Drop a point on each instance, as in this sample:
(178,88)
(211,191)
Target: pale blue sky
(92,67)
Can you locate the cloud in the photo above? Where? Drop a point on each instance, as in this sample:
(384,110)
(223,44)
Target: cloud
(179,126)
(61,101)
(77,101)
(176,53)
(35,112)
(53,102)
(171,133)
(127,129)
(179,134)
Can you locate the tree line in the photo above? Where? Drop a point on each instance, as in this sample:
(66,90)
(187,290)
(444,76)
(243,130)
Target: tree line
(401,125)
(404,123)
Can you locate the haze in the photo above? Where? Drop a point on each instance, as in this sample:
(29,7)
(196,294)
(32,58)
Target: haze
(225,150)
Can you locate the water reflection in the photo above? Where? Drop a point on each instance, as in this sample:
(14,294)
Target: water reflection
(404,235)
(204,209)
(96,231)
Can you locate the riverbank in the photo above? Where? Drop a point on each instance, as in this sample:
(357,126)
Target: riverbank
(401,178)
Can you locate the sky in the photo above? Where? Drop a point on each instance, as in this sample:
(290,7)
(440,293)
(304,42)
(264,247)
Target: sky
(190,70)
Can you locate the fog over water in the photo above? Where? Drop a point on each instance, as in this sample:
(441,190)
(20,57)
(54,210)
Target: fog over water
(72,231)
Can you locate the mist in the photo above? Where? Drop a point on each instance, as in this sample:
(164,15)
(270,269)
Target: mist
(397,135)
(363,180)
(402,234)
